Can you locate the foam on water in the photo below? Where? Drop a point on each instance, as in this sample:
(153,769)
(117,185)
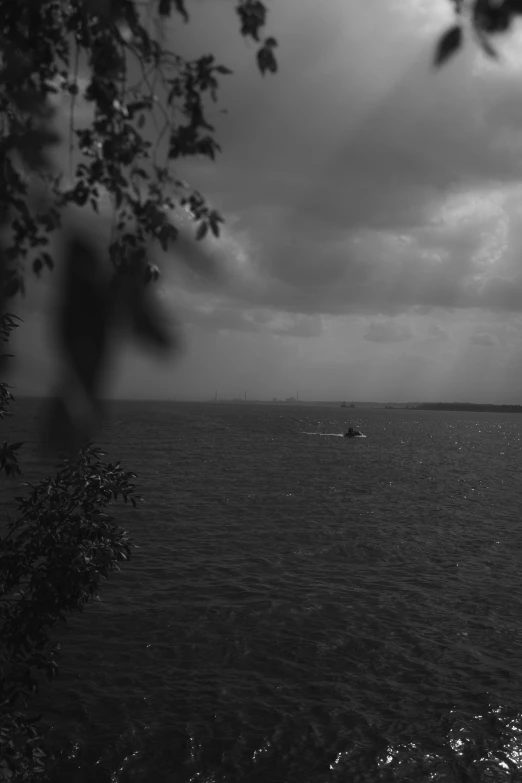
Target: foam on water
(335,435)
(326,434)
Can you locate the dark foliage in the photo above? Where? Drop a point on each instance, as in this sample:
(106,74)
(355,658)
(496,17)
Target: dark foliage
(62,540)
(125,157)
(448,44)
(52,557)
(483,18)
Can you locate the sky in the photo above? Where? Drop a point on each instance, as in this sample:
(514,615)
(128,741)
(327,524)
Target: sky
(373,212)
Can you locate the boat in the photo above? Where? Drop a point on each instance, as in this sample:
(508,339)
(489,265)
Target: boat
(353,434)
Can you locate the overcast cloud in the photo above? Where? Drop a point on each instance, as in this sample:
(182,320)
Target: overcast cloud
(374,215)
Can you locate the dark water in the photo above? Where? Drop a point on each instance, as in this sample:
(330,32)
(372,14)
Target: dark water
(304,607)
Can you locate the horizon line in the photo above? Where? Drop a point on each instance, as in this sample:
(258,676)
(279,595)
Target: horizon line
(281,401)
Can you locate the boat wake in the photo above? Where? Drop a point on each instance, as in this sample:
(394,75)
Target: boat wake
(334,435)
(326,434)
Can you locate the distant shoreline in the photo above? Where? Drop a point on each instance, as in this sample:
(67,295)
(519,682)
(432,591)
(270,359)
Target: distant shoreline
(468,406)
(357,406)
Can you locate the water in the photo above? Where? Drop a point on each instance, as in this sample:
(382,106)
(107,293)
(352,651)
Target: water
(303,607)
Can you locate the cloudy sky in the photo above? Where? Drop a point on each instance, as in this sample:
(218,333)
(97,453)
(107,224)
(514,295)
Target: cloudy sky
(374,218)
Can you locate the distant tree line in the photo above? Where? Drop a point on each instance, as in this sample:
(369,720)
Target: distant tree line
(468,406)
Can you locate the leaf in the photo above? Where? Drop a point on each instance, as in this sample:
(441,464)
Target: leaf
(202,230)
(180,8)
(37,266)
(101,8)
(149,322)
(486,46)
(124,30)
(252,15)
(164,7)
(84,312)
(151,273)
(82,329)
(12,287)
(448,45)
(266,60)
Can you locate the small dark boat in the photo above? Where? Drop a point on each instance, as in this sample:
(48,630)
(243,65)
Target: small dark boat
(353,433)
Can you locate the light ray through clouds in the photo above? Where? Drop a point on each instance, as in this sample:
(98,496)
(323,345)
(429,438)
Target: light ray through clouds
(364,194)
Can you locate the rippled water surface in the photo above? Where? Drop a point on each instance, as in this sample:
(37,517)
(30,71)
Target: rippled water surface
(303,607)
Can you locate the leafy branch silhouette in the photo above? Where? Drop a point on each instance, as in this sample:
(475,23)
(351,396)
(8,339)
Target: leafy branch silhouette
(481,18)
(122,160)
(115,163)
(124,157)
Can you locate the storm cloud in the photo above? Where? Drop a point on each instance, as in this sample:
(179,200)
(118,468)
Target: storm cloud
(373,209)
